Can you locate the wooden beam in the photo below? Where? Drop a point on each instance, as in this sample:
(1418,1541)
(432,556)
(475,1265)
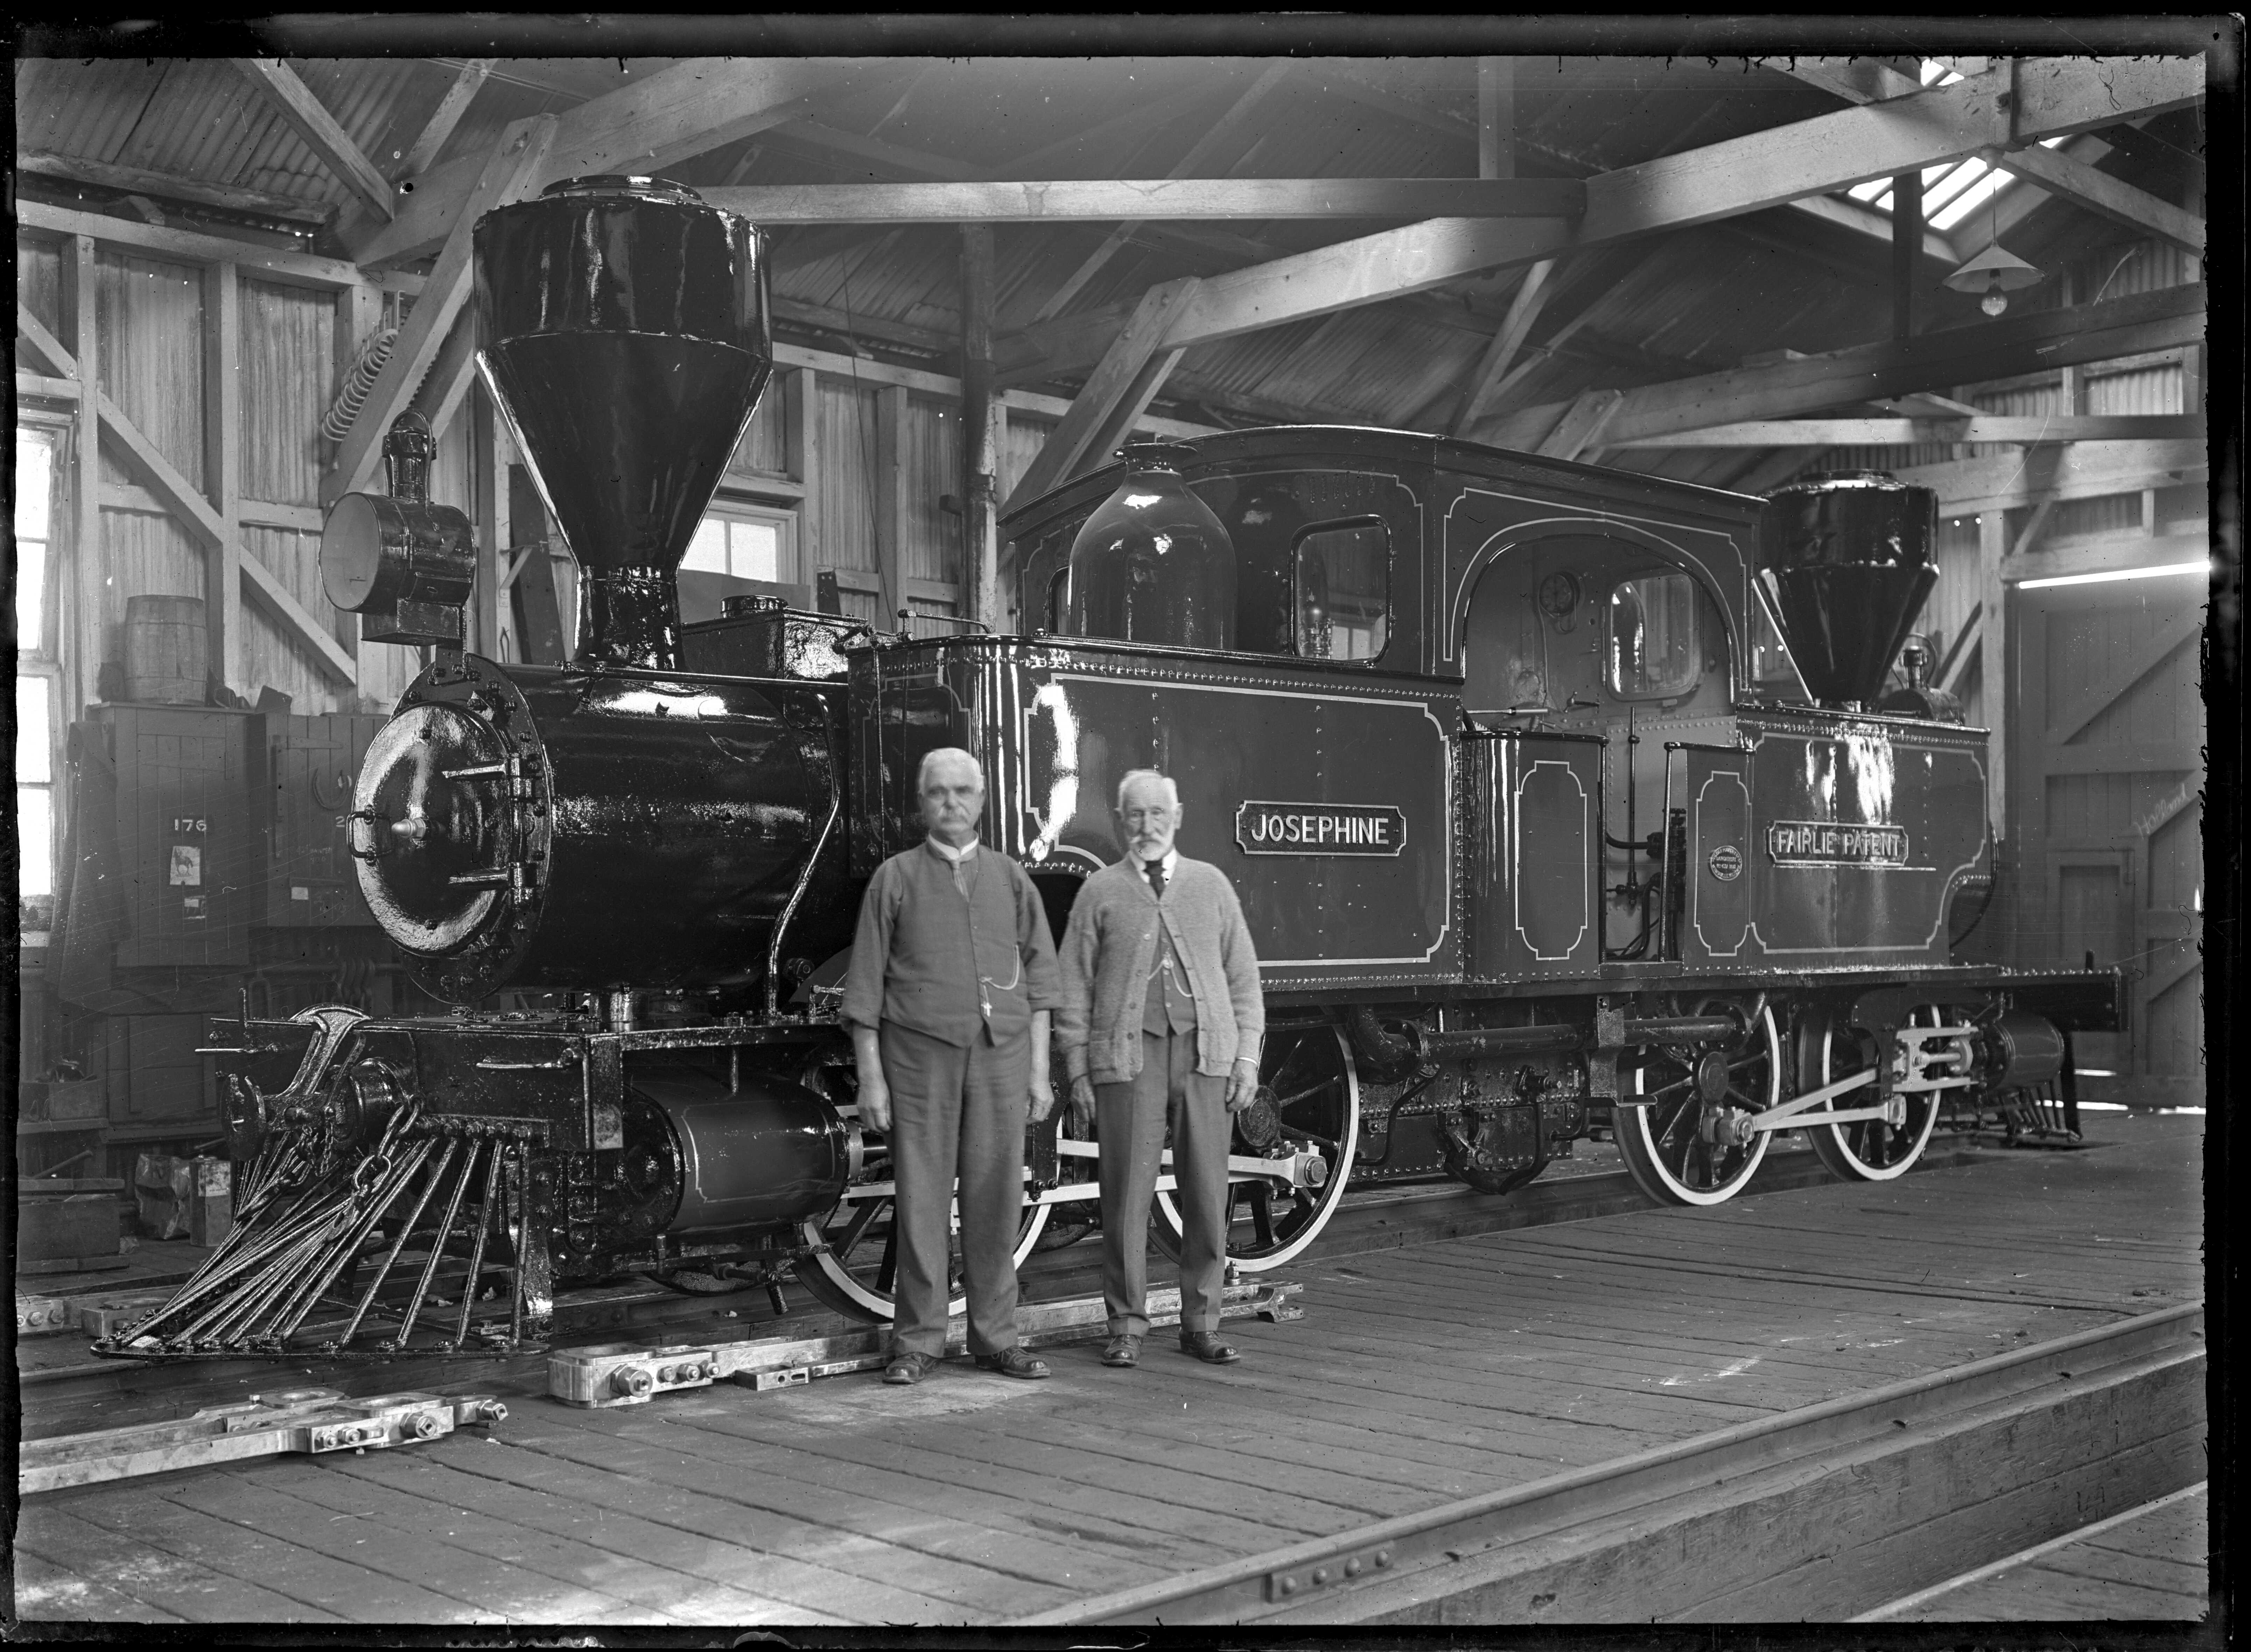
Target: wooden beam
(1842,211)
(1984,428)
(489,452)
(980,449)
(1697,186)
(331,145)
(2028,535)
(1539,285)
(802,433)
(42,385)
(259,584)
(2102,194)
(1955,356)
(47,349)
(510,173)
(1581,425)
(1854,79)
(89,555)
(1114,379)
(2090,700)
(311,216)
(1906,244)
(1069,199)
(446,383)
(451,107)
(222,413)
(188,247)
(1961,652)
(1995,694)
(2083,470)
(697,105)
(893,507)
(1204,151)
(139,455)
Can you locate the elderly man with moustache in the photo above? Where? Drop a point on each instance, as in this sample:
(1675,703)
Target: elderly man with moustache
(1160,1024)
(949,996)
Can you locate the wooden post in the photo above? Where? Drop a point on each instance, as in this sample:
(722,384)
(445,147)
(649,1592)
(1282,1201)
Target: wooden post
(1906,250)
(1992,664)
(802,433)
(891,504)
(491,451)
(222,470)
(980,451)
(88,555)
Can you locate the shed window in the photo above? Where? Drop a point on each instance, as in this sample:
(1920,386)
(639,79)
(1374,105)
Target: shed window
(1654,650)
(746,542)
(1344,591)
(36,681)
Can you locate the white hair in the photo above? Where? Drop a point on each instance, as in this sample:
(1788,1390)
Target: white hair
(1172,791)
(946,754)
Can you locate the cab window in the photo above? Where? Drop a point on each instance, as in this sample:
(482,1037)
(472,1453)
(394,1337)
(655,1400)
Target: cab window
(1343,580)
(1654,653)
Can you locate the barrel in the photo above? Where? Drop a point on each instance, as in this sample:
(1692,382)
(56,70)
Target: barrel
(166,651)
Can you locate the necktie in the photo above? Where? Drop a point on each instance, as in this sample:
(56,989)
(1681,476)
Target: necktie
(1156,870)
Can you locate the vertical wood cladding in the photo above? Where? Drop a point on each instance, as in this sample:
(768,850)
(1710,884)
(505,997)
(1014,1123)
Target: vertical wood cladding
(148,315)
(287,362)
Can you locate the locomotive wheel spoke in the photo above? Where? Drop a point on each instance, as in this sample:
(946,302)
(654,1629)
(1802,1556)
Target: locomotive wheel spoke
(1866,1150)
(1663,1140)
(1311,1071)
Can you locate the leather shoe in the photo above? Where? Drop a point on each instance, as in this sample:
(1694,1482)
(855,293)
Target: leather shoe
(1014,1362)
(1206,1346)
(907,1366)
(1122,1351)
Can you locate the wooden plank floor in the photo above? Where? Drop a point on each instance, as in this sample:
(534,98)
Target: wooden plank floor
(1419,1375)
(2151,1566)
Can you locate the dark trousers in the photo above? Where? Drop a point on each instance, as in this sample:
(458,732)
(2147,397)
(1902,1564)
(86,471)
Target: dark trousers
(1132,1120)
(955,1112)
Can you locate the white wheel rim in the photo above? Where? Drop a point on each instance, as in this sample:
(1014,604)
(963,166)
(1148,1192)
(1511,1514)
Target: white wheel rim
(1753,1157)
(1332,1196)
(879,1305)
(1841,1134)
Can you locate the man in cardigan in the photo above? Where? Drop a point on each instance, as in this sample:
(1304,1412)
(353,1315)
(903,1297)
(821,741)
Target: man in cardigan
(1161,1020)
(952,985)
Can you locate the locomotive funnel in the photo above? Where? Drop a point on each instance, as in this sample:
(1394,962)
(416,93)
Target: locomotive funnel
(622,327)
(1845,556)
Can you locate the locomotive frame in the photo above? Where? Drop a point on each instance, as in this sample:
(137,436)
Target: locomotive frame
(661,846)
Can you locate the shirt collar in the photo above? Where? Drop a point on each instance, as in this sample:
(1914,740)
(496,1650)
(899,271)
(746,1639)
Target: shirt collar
(1171,861)
(947,852)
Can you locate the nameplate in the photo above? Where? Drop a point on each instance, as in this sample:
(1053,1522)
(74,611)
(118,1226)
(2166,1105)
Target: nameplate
(1822,843)
(1318,828)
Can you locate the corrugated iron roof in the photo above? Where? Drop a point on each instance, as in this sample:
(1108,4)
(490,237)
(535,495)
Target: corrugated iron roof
(1691,300)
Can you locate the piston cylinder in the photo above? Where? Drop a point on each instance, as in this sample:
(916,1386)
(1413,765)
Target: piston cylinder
(769,1153)
(2023,1049)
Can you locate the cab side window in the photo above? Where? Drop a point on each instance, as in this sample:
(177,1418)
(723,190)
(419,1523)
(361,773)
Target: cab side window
(1343,590)
(1654,650)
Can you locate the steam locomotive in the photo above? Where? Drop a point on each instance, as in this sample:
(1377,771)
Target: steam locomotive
(1558,798)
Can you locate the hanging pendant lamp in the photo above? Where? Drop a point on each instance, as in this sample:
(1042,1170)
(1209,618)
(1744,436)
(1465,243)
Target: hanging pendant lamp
(1996,272)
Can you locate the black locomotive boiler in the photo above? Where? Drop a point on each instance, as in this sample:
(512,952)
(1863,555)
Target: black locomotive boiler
(1557,798)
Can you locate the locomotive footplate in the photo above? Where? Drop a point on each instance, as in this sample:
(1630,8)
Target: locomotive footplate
(609,1374)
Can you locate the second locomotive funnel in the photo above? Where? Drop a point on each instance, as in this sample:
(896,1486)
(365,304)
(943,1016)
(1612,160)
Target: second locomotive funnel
(623,329)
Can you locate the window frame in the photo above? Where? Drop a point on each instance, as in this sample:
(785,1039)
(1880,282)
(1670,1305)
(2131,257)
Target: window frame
(729,505)
(43,659)
(1366,518)
(1698,598)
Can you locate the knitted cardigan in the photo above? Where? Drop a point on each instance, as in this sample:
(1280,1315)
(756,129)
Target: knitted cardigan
(1110,946)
